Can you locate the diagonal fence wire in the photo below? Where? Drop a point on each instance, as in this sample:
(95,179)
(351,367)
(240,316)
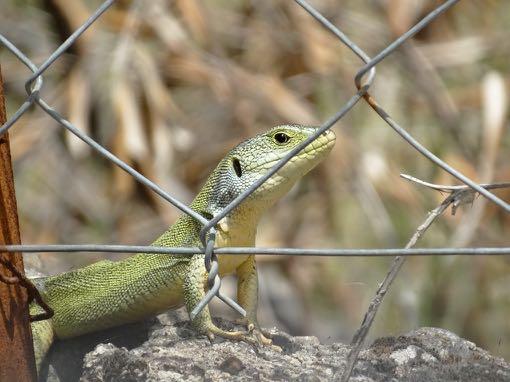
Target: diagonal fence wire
(34,84)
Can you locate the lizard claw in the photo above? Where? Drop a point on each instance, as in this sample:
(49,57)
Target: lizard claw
(253,336)
(234,335)
(261,336)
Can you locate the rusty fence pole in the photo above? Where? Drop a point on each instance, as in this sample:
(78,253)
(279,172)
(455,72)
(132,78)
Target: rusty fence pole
(16,351)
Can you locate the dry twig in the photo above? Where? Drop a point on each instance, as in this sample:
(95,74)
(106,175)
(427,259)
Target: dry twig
(458,195)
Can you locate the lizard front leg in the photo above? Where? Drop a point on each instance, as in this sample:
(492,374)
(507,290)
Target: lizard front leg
(247,295)
(194,287)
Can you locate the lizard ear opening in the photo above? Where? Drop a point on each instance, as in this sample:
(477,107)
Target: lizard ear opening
(237,167)
(206,215)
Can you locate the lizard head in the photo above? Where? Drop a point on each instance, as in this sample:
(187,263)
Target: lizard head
(253,158)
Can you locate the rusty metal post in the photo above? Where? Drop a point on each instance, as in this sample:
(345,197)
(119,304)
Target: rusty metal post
(17,361)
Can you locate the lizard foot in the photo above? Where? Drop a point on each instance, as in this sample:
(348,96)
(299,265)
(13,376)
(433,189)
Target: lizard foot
(254,336)
(263,337)
(245,336)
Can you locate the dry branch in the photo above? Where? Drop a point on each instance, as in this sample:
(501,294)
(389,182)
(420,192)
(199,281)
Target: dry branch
(458,195)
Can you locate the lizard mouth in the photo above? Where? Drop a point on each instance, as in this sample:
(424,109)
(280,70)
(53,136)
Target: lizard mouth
(311,153)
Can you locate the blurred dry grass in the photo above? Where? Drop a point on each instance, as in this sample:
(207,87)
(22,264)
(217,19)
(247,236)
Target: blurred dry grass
(170,86)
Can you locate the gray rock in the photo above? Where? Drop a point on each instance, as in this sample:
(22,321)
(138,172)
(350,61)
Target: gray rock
(173,352)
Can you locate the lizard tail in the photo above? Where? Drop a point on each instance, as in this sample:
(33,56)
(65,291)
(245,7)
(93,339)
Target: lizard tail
(43,336)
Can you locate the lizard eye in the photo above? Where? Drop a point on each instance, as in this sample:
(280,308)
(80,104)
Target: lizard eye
(237,167)
(281,138)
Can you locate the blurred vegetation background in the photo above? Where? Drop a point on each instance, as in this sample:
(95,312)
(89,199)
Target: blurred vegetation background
(170,86)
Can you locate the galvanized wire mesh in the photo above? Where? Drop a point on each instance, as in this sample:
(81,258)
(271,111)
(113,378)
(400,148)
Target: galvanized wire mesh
(363,80)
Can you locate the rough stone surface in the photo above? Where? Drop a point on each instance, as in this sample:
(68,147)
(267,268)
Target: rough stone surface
(165,351)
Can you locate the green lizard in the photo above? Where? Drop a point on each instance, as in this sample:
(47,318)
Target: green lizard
(106,294)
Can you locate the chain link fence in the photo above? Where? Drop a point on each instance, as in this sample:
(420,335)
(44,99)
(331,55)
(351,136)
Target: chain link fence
(363,80)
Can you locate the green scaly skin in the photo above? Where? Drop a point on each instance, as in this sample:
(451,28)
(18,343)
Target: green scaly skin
(107,294)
